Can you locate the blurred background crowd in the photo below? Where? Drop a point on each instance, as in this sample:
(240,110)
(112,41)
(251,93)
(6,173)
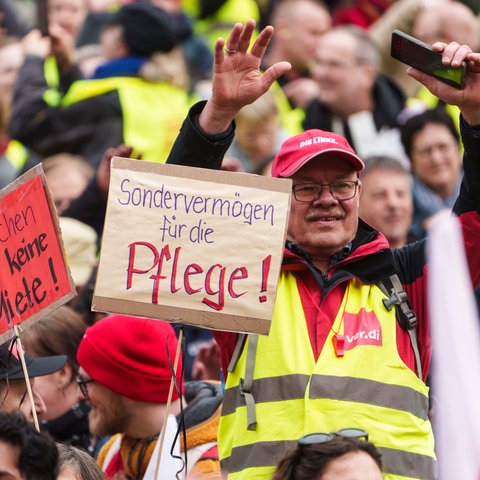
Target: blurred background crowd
(106,77)
(112,73)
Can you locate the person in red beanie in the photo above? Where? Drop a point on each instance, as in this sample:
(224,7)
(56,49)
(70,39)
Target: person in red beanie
(126,369)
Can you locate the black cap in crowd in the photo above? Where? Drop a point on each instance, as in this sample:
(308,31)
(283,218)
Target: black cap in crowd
(11,366)
(147,28)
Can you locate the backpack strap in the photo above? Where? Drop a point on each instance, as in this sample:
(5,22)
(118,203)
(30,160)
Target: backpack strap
(392,287)
(246,383)
(238,350)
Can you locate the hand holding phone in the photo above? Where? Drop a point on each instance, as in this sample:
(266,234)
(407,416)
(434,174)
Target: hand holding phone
(421,56)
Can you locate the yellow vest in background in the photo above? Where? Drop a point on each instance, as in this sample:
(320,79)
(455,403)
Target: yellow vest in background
(291,118)
(221,22)
(152,112)
(16,154)
(425,99)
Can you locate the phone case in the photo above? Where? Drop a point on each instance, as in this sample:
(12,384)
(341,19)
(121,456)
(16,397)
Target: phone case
(420,55)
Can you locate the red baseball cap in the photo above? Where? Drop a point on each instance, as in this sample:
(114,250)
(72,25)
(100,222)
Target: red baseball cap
(300,149)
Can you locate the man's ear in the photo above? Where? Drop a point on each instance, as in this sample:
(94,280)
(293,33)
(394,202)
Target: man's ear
(370,72)
(359,190)
(282,29)
(118,45)
(123,50)
(284,33)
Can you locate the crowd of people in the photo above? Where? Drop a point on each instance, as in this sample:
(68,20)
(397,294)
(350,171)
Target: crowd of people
(299,89)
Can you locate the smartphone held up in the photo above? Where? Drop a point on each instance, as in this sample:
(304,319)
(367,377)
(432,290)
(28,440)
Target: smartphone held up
(421,56)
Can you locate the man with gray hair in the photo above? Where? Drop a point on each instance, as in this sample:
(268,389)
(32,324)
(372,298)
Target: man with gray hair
(354,99)
(386,201)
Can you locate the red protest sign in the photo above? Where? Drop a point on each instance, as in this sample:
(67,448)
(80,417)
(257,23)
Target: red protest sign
(34,275)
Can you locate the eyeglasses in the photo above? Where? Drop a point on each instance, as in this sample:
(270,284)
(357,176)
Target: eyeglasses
(82,383)
(308,192)
(443,148)
(314,438)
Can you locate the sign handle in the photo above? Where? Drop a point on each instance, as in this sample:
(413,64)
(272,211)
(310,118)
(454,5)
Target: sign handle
(27,378)
(169,400)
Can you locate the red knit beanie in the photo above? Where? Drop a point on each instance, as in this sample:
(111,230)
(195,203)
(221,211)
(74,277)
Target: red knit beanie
(129,355)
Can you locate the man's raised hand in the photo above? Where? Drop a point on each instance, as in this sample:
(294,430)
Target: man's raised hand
(237,80)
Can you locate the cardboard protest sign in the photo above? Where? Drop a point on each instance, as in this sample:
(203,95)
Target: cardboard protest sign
(190,245)
(34,277)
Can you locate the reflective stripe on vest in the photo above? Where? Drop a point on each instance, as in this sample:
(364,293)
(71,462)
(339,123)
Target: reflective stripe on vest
(52,96)
(369,388)
(400,462)
(152,112)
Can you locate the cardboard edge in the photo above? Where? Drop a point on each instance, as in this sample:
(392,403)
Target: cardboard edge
(281,185)
(230,323)
(5,336)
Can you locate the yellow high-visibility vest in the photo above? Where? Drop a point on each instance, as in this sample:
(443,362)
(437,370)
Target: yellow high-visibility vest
(369,388)
(221,22)
(153,112)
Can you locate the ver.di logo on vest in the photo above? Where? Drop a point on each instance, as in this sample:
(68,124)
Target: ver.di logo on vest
(362,328)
